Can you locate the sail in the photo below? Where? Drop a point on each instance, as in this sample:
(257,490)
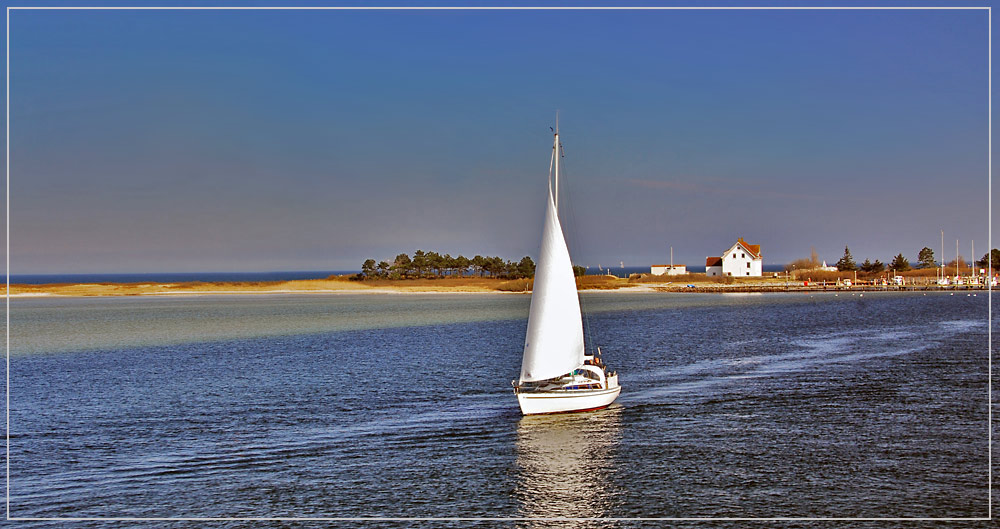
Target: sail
(554,342)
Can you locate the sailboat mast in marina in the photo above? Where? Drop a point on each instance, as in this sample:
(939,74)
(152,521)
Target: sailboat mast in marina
(556,373)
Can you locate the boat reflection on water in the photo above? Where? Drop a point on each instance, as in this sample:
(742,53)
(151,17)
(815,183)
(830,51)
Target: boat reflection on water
(565,465)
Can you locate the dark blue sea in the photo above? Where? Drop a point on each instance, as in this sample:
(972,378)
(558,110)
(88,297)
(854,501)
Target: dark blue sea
(734,405)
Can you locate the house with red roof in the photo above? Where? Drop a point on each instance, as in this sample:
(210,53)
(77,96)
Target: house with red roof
(740,260)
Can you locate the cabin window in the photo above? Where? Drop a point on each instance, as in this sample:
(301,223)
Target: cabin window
(743,255)
(734,256)
(748,265)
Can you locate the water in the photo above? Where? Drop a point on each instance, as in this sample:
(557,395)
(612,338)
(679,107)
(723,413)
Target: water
(400,405)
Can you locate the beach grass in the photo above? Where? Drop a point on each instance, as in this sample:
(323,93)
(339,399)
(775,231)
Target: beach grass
(450,284)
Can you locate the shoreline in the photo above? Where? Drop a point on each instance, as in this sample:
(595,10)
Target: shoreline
(339,286)
(330,286)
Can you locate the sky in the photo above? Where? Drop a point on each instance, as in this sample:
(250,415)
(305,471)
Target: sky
(185,141)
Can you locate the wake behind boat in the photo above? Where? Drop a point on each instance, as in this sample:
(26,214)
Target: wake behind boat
(556,373)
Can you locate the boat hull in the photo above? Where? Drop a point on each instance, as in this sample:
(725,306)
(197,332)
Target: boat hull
(543,402)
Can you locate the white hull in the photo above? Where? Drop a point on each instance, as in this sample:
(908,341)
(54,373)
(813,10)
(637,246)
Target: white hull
(561,401)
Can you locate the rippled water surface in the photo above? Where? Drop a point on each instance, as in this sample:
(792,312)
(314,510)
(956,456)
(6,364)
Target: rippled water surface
(400,405)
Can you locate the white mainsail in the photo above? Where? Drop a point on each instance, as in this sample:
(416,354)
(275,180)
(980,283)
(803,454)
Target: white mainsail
(553,345)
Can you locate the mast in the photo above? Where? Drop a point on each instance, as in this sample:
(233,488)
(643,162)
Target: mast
(555,156)
(554,341)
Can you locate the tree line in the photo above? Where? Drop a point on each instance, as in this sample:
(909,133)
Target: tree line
(899,263)
(432,264)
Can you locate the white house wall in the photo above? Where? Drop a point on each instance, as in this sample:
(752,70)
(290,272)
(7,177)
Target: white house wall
(659,270)
(738,262)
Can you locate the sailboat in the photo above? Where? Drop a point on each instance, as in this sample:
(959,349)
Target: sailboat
(556,373)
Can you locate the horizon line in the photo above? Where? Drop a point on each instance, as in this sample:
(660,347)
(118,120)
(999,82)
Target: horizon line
(500,8)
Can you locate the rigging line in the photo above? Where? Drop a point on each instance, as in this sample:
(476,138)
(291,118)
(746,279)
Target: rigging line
(587,335)
(552,160)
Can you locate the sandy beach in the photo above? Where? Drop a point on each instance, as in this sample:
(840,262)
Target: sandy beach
(304,286)
(343,285)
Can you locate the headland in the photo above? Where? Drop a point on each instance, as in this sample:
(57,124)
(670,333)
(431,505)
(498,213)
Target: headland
(346,284)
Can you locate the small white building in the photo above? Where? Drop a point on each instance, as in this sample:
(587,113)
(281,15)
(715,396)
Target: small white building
(740,260)
(670,270)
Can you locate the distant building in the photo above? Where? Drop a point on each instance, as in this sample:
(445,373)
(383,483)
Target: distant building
(825,268)
(713,266)
(670,270)
(741,259)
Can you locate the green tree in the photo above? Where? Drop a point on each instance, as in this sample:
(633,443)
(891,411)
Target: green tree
(486,266)
(866,266)
(368,269)
(526,268)
(510,270)
(448,263)
(878,267)
(402,265)
(383,269)
(846,263)
(579,270)
(462,264)
(925,259)
(419,262)
(434,263)
(993,256)
(479,265)
(899,263)
(496,266)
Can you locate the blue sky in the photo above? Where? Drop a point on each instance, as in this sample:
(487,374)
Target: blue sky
(281,140)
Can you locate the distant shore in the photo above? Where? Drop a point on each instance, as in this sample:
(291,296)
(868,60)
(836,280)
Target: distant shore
(693,283)
(332,285)
(193,288)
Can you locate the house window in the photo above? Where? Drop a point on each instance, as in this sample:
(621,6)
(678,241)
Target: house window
(748,273)
(734,256)
(748,266)
(743,255)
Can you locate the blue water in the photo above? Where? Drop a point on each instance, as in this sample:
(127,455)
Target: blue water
(400,405)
